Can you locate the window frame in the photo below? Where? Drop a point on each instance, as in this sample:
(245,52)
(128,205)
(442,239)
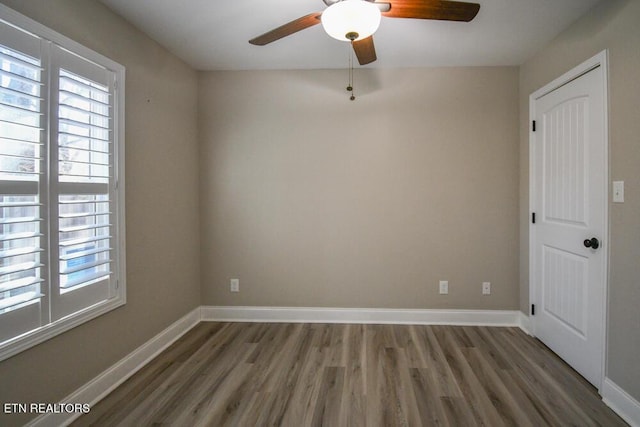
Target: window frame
(49,330)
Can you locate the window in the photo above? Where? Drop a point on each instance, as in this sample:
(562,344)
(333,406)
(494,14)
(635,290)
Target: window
(61,183)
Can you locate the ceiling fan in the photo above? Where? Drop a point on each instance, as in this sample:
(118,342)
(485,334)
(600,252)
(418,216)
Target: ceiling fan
(356,20)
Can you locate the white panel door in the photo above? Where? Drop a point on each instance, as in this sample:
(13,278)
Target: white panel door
(569,198)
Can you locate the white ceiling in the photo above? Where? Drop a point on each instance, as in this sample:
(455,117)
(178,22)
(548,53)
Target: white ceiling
(213,35)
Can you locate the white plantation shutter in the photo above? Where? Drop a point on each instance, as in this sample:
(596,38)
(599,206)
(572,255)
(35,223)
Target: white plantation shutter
(85,182)
(61,213)
(21,179)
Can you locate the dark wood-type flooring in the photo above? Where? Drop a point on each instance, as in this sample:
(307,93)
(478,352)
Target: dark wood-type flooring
(259,374)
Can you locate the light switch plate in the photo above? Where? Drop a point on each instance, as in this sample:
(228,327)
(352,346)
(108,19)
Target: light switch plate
(444,287)
(618,191)
(486,288)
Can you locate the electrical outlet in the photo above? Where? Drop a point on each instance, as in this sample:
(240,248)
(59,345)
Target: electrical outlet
(486,288)
(234,285)
(444,287)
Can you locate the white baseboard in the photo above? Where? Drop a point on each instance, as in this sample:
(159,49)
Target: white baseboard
(361,315)
(103,384)
(619,400)
(524,322)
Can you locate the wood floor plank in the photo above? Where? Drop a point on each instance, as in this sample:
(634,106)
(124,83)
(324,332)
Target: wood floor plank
(167,398)
(428,402)
(543,386)
(306,389)
(534,398)
(198,396)
(470,386)
(404,385)
(376,388)
(458,413)
(389,410)
(438,365)
(288,373)
(495,389)
(406,339)
(134,392)
(246,374)
(478,335)
(353,396)
(494,361)
(566,378)
(233,385)
(329,400)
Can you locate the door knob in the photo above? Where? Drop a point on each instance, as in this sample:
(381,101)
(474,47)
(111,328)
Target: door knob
(592,243)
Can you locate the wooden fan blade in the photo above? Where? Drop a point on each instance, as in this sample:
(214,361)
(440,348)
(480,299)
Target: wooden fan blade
(287,29)
(432,9)
(365,51)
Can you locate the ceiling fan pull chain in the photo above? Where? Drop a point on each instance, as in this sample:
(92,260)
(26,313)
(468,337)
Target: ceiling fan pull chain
(353,92)
(350,84)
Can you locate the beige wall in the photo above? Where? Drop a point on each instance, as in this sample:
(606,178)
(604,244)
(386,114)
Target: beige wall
(313,200)
(162,208)
(613,25)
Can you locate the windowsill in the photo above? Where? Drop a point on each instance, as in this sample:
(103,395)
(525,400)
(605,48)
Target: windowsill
(44,333)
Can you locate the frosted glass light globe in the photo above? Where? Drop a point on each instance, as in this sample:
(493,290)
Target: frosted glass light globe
(351,20)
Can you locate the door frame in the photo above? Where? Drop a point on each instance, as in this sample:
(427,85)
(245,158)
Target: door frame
(598,60)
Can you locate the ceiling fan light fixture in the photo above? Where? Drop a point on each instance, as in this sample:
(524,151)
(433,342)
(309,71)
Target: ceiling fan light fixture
(351,20)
